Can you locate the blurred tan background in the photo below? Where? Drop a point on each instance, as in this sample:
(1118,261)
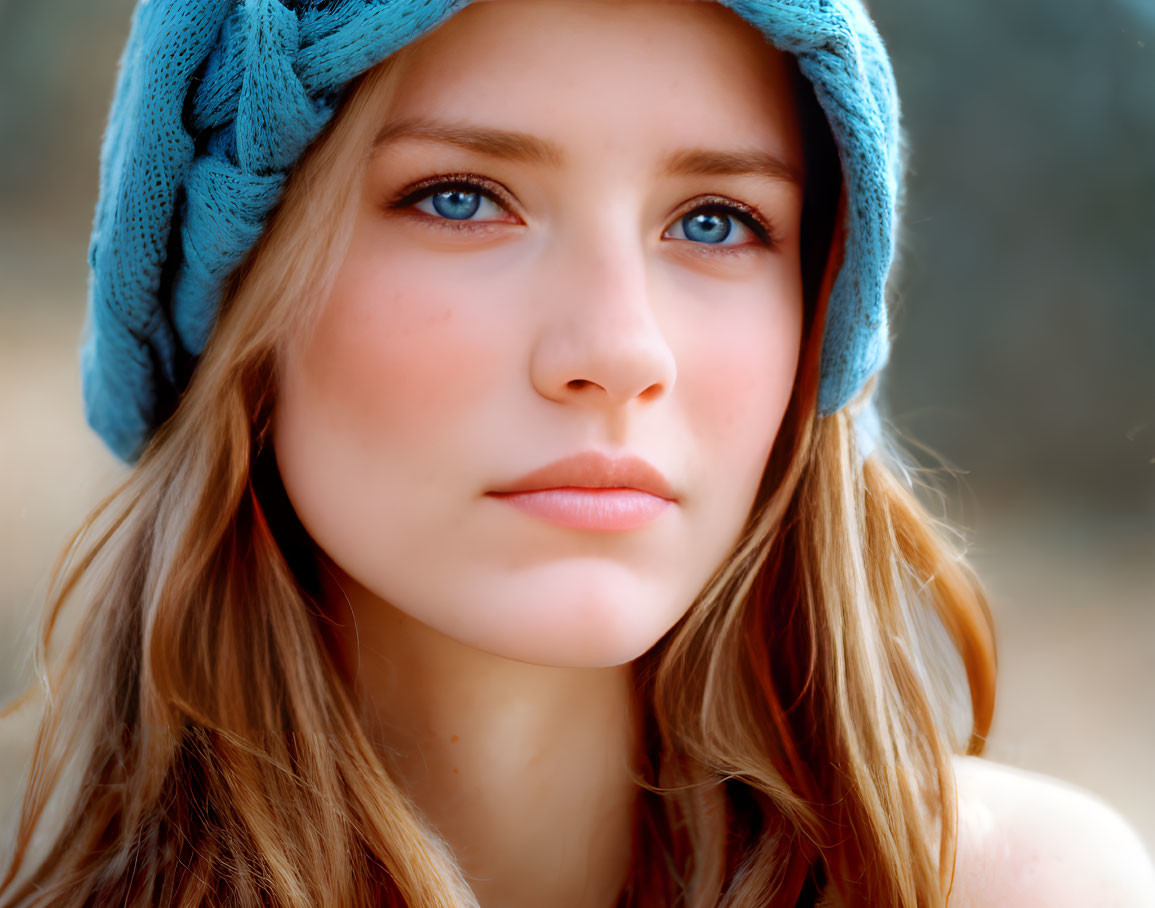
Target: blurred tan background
(1025,352)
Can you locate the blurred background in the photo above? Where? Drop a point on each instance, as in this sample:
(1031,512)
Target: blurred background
(1025,353)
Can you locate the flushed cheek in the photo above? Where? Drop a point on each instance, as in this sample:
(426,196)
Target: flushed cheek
(399,359)
(735,381)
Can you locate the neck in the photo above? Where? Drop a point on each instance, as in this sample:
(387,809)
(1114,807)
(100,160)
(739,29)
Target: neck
(525,770)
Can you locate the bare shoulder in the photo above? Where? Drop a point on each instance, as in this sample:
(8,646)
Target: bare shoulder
(1025,839)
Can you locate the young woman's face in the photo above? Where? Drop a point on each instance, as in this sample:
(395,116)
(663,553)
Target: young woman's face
(578,235)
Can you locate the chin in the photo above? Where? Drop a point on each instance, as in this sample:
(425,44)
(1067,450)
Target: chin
(566,652)
(590,622)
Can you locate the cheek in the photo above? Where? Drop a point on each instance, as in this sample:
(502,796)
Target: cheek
(396,358)
(372,402)
(737,377)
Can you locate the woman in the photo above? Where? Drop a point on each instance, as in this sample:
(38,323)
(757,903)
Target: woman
(503,530)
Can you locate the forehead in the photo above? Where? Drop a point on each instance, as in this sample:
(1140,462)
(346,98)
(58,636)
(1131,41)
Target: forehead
(674,71)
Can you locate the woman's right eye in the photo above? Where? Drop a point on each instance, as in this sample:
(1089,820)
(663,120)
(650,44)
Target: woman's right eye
(460,203)
(456,201)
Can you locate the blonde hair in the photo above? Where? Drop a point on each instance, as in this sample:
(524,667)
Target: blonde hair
(799,715)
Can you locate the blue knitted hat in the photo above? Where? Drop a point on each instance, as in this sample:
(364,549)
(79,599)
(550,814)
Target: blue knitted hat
(217,99)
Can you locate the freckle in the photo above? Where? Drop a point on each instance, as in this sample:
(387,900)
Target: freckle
(456,770)
(454,739)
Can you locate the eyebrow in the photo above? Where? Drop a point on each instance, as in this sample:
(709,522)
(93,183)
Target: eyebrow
(496,143)
(706,162)
(520,146)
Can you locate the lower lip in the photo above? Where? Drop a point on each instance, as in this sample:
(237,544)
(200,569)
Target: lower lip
(589,509)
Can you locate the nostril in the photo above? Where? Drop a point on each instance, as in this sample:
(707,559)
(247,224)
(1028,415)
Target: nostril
(577,383)
(654,390)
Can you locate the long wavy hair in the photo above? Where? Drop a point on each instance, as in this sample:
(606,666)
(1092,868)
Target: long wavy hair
(200,745)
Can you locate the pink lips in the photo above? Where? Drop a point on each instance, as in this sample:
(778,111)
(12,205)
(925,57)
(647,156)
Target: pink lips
(591,491)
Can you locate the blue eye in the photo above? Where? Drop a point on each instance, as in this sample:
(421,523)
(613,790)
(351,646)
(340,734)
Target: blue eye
(456,204)
(713,226)
(706,227)
(459,203)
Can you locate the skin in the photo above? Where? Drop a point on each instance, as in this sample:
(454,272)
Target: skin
(451,359)
(490,649)
(1030,841)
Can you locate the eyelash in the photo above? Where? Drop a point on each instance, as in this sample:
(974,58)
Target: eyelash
(499,195)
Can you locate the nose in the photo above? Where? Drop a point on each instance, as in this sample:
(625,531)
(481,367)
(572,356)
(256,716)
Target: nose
(601,344)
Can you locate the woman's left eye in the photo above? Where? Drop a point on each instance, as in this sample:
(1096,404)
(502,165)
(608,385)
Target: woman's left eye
(716,225)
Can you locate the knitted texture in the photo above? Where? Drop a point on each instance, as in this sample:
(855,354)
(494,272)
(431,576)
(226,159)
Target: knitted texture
(217,99)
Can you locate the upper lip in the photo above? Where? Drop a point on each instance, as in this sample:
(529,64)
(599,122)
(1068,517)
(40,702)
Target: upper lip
(593,470)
